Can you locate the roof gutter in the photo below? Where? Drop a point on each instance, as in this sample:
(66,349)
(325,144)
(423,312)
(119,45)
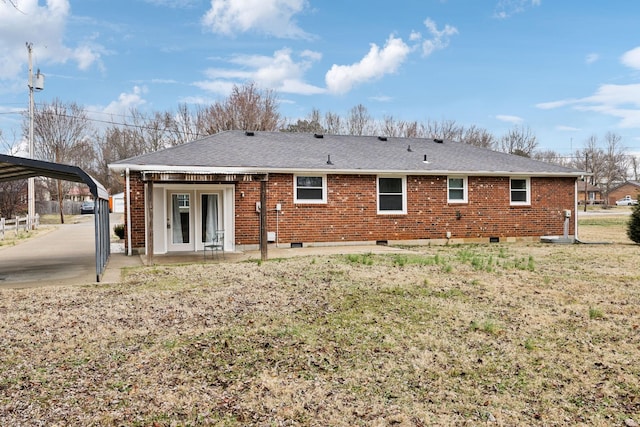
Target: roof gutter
(326,171)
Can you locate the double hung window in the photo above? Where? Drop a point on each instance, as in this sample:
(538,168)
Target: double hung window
(520,189)
(392,195)
(310,189)
(457,189)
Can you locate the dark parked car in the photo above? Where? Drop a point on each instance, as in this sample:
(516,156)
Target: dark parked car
(86,208)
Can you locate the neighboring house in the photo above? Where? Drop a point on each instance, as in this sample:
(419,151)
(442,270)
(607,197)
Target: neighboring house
(629,188)
(79,193)
(328,190)
(590,193)
(116,203)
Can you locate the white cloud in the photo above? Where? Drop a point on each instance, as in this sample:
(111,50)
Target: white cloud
(272,17)
(620,101)
(440,38)
(219,87)
(631,58)
(381,98)
(44,26)
(173,3)
(280,72)
(199,100)
(510,119)
(126,101)
(507,8)
(556,104)
(591,58)
(563,128)
(375,64)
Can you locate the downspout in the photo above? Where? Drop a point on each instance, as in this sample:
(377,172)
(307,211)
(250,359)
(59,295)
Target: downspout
(128,192)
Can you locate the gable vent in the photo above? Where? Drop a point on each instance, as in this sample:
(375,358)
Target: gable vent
(249,133)
(318,135)
(382,138)
(438,141)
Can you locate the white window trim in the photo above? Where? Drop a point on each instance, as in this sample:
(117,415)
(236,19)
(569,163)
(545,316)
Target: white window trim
(465,187)
(528,191)
(310,201)
(404,195)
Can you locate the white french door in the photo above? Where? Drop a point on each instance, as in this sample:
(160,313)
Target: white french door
(210,215)
(179,222)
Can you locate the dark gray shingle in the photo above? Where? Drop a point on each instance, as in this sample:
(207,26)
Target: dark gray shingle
(300,151)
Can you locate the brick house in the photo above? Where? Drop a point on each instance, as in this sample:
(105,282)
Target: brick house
(589,193)
(629,188)
(330,190)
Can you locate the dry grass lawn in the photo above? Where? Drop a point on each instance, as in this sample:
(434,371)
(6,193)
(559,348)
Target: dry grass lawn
(504,334)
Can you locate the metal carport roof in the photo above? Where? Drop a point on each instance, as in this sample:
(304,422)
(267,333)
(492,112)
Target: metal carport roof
(14,168)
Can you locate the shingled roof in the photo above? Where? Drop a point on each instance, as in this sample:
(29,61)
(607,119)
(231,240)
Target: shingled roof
(239,151)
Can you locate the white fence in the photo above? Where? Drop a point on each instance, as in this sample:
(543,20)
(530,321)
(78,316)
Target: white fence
(18,224)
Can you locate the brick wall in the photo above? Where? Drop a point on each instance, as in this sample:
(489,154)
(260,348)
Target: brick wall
(137,212)
(627,189)
(350,214)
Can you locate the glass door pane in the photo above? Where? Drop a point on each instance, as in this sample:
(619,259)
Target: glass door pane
(210,222)
(180,218)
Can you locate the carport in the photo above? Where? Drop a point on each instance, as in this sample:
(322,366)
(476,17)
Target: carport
(15,168)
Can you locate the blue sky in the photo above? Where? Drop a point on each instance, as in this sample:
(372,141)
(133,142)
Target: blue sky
(566,69)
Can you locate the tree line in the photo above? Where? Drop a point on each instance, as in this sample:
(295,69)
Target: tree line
(66,133)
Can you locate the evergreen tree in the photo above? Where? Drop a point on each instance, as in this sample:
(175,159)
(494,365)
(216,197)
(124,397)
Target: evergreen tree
(633,230)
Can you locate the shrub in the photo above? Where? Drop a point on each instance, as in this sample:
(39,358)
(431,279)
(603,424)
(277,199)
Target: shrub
(118,229)
(633,227)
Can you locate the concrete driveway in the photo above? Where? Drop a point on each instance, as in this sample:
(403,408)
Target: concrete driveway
(63,256)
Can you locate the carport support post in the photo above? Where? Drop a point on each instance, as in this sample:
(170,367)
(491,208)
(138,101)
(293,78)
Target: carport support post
(263,219)
(149,200)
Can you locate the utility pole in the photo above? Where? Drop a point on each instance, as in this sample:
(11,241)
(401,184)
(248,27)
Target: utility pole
(38,85)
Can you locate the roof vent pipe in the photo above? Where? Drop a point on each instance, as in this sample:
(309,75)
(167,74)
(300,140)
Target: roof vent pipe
(425,159)
(409,148)
(329,162)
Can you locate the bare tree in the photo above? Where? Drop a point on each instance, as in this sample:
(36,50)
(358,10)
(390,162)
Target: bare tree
(61,134)
(183,126)
(390,126)
(13,198)
(616,162)
(591,159)
(444,129)
(634,162)
(333,123)
(520,141)
(309,125)
(551,156)
(247,108)
(359,121)
(399,128)
(609,166)
(13,194)
(479,137)
(117,143)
